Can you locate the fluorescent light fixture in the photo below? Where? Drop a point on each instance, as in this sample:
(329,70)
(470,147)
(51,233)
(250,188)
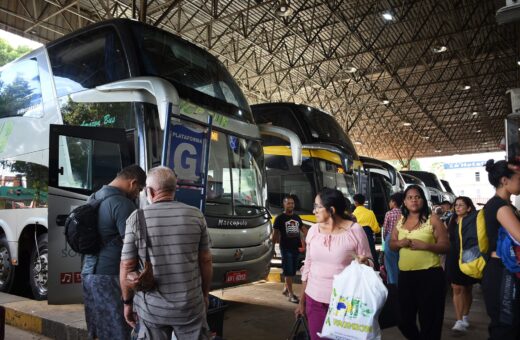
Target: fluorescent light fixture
(466,87)
(518,62)
(358,142)
(385,101)
(407,124)
(425,137)
(438,150)
(478,131)
(388,16)
(439,49)
(474,113)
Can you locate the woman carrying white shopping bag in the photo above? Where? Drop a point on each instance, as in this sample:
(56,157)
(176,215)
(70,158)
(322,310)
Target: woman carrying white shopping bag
(332,244)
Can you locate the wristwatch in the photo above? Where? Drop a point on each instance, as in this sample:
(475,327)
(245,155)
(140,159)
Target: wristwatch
(127,302)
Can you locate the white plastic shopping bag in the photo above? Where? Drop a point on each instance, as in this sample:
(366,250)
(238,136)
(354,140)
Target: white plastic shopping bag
(358,295)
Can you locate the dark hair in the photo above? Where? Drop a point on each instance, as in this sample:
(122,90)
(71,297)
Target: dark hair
(359,198)
(334,198)
(496,171)
(446,202)
(425,210)
(397,198)
(133,172)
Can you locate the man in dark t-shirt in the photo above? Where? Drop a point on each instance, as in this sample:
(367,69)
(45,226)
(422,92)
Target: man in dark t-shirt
(287,231)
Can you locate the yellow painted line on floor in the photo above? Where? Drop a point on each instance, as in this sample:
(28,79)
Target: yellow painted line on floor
(274,276)
(23,320)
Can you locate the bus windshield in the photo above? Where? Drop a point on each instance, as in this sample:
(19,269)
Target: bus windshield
(234,176)
(325,128)
(167,56)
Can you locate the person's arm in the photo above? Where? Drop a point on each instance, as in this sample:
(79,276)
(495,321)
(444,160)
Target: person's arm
(363,252)
(395,243)
(206,273)
(205,261)
(442,243)
(300,310)
(508,219)
(129,260)
(374,224)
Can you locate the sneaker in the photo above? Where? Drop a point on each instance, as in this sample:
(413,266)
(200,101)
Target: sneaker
(294,299)
(464,323)
(459,326)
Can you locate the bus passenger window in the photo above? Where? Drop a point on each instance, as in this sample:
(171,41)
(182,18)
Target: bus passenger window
(86,61)
(20,90)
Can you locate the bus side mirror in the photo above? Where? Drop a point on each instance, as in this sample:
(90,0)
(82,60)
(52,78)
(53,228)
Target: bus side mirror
(288,135)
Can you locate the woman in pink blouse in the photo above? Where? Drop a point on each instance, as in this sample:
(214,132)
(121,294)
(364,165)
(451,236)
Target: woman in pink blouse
(332,244)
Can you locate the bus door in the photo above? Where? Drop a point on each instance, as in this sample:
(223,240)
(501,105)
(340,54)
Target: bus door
(81,161)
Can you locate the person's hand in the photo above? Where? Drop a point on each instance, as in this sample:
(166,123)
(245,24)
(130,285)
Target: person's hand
(130,316)
(405,243)
(300,310)
(418,245)
(206,301)
(363,259)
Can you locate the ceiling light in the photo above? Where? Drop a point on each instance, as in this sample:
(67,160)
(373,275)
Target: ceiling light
(474,113)
(518,62)
(478,131)
(407,123)
(358,142)
(284,9)
(438,150)
(425,137)
(385,101)
(349,68)
(466,87)
(388,16)
(439,49)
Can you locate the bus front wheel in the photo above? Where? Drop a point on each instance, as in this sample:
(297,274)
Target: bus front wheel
(39,268)
(6,267)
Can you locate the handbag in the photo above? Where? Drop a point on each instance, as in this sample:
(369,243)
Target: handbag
(142,280)
(296,333)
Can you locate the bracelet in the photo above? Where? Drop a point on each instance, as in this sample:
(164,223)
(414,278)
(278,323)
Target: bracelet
(128,301)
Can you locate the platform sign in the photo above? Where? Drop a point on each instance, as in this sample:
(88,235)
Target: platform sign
(187,154)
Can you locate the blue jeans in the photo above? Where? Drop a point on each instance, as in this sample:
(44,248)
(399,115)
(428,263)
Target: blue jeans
(391,262)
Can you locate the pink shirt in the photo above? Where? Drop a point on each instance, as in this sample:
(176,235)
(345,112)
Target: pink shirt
(328,255)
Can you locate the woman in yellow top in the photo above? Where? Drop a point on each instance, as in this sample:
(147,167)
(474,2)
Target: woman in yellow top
(420,237)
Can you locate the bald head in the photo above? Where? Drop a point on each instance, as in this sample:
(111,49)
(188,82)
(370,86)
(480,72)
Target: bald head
(162,178)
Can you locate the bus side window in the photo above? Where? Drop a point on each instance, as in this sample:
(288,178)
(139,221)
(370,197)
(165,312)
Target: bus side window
(20,90)
(86,61)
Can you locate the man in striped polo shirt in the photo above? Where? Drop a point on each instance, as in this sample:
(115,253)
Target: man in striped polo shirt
(179,250)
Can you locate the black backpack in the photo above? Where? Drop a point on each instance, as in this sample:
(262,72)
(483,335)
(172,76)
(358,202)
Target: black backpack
(81,228)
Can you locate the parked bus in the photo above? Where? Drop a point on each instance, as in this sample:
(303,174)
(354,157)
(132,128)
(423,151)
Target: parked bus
(329,159)
(74,112)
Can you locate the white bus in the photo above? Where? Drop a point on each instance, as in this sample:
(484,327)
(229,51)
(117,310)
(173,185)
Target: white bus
(77,110)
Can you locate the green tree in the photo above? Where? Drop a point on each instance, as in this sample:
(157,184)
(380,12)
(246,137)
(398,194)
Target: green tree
(9,53)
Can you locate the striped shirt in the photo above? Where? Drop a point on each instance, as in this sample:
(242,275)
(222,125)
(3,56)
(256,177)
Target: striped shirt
(176,234)
(391,219)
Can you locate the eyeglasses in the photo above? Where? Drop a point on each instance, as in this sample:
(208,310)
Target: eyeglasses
(317,206)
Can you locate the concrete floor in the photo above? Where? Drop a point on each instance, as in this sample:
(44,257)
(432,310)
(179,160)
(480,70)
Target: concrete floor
(260,312)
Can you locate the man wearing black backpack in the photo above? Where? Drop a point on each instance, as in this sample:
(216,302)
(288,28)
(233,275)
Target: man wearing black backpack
(100,272)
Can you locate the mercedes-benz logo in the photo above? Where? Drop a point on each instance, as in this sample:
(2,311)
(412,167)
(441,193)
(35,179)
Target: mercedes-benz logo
(239,254)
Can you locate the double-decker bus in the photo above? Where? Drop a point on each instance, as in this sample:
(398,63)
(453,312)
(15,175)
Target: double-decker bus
(329,159)
(120,92)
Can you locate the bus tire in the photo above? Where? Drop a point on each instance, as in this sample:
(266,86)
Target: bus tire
(39,268)
(6,267)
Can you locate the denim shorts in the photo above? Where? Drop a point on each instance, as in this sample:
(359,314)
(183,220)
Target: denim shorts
(289,262)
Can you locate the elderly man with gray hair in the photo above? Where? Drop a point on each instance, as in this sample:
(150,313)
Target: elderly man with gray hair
(178,247)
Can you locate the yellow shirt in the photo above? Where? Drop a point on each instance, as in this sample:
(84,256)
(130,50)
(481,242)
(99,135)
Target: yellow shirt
(417,259)
(366,218)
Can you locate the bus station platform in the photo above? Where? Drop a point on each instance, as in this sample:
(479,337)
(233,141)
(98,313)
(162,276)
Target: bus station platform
(256,311)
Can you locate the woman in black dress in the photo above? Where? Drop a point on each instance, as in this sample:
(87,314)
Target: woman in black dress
(461,284)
